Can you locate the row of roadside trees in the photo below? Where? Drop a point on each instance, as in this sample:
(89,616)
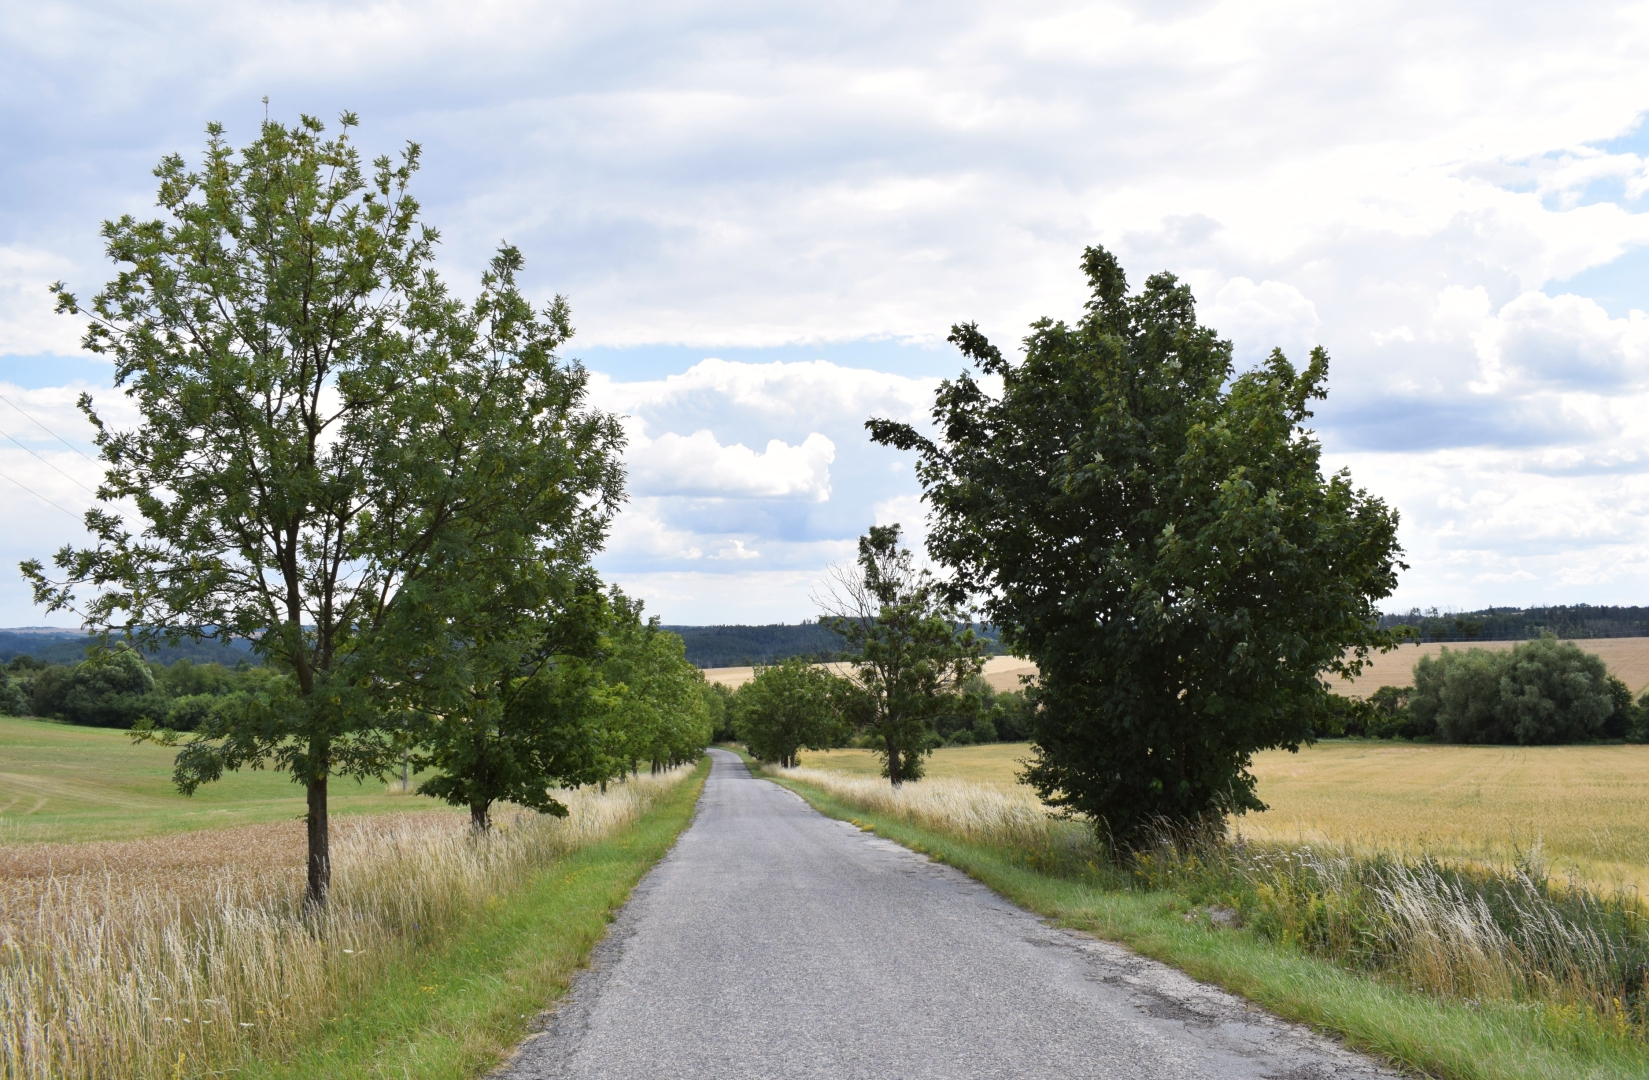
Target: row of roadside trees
(394,494)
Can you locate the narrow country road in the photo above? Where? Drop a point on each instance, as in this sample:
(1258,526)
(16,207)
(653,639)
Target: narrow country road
(776,942)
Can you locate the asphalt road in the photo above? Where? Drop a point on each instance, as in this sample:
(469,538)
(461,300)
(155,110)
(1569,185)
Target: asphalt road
(776,942)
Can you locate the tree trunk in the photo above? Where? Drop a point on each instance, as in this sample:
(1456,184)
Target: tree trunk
(480,821)
(893,765)
(320,850)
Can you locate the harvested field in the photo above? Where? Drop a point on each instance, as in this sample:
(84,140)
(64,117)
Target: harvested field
(1626,658)
(1002,672)
(1586,808)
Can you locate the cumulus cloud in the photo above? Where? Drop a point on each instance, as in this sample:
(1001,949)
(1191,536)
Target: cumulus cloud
(698,465)
(1260,317)
(1562,341)
(1399,184)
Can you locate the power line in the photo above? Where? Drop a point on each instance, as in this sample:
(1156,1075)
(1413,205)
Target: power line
(39,496)
(42,460)
(46,429)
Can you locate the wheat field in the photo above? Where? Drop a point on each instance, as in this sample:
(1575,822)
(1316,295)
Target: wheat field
(180,954)
(1586,808)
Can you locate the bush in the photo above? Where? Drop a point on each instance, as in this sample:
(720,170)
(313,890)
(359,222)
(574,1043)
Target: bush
(46,690)
(1540,692)
(112,688)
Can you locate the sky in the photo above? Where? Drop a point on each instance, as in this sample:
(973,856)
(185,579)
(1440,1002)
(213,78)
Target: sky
(766,218)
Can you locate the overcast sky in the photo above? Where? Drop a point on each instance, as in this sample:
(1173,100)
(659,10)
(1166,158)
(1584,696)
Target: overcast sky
(767,216)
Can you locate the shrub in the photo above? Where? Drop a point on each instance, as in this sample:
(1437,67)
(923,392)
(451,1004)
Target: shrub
(112,688)
(1543,691)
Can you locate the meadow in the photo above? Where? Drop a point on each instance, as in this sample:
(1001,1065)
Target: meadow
(64,783)
(1583,810)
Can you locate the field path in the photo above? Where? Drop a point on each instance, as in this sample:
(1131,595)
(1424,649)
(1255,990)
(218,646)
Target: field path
(776,942)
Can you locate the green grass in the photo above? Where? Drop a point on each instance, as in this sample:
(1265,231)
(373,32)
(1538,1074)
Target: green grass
(1491,1041)
(468,1001)
(64,783)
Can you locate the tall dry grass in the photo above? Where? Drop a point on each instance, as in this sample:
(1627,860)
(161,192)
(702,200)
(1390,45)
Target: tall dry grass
(1457,930)
(179,956)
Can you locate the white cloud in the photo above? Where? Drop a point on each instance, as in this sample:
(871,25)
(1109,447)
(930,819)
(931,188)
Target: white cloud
(28,322)
(1262,317)
(1402,183)
(698,465)
(1565,341)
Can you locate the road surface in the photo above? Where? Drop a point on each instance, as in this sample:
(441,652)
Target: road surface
(776,942)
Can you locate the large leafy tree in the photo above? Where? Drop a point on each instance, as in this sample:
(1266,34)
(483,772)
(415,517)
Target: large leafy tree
(1155,531)
(514,603)
(787,707)
(910,652)
(309,462)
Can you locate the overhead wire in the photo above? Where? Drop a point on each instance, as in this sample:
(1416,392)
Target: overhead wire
(39,496)
(43,461)
(30,417)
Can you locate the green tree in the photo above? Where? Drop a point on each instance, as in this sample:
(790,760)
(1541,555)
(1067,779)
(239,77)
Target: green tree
(718,700)
(510,713)
(788,707)
(297,366)
(910,660)
(1153,530)
(517,599)
(650,702)
(112,688)
(1544,691)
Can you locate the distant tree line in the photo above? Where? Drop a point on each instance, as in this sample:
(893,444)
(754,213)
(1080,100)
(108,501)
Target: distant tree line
(119,688)
(1542,692)
(911,681)
(1520,624)
(70,647)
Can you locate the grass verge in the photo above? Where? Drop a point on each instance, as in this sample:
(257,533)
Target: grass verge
(1470,1041)
(464,1003)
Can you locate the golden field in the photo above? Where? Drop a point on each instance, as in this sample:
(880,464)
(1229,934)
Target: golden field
(1586,807)
(1002,672)
(1626,658)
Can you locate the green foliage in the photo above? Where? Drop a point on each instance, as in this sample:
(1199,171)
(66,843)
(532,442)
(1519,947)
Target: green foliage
(111,688)
(985,715)
(651,699)
(333,455)
(909,659)
(1539,692)
(1154,531)
(789,707)
(718,702)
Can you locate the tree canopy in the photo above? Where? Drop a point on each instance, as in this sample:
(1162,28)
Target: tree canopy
(1544,691)
(911,650)
(1154,530)
(788,707)
(336,460)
